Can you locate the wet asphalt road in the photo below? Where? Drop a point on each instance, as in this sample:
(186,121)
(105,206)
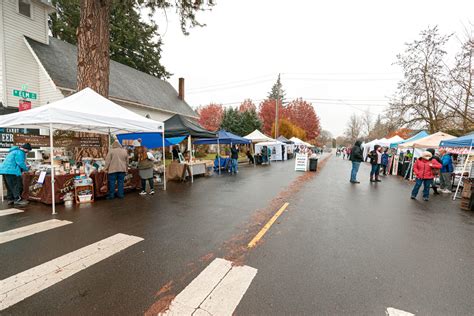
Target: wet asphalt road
(358,249)
(338,249)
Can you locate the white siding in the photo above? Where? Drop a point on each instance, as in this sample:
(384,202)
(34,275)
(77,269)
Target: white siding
(2,49)
(154,114)
(20,65)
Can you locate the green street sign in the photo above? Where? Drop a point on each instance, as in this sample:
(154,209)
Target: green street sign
(25,94)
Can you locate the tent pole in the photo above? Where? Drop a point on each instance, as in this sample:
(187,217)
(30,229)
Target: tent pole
(462,172)
(190,158)
(219,156)
(164,158)
(51,146)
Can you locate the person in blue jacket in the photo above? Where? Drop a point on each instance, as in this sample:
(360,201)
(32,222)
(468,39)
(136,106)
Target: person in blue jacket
(11,169)
(446,171)
(385,161)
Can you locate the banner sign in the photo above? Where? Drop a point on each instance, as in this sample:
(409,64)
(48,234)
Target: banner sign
(301,162)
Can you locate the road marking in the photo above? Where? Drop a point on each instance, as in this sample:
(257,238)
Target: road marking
(217,290)
(227,295)
(27,283)
(267,226)
(9,211)
(397,312)
(31,230)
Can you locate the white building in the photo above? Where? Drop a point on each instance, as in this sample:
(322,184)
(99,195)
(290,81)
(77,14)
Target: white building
(31,59)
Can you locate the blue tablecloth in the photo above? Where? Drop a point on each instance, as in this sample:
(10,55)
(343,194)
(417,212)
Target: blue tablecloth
(225,163)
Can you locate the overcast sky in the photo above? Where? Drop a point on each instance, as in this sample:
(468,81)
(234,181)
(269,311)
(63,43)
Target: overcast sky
(336,54)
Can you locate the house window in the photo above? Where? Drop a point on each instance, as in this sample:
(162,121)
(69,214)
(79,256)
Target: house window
(24,7)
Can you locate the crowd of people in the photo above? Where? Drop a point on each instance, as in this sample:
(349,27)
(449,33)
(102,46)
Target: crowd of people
(426,168)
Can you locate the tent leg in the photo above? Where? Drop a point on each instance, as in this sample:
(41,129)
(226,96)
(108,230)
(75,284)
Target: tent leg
(1,187)
(190,158)
(462,173)
(219,156)
(164,159)
(53,197)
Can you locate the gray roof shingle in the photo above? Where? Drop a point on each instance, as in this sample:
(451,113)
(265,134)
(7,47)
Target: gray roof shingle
(60,61)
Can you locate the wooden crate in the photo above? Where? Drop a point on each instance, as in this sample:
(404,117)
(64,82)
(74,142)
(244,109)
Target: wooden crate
(466,191)
(465,204)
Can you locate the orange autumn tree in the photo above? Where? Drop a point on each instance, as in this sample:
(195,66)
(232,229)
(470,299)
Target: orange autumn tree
(404,133)
(210,116)
(302,114)
(288,129)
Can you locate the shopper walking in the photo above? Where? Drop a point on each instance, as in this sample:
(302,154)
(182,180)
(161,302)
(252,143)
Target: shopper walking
(356,157)
(116,165)
(234,156)
(423,169)
(446,171)
(145,170)
(435,171)
(11,169)
(376,161)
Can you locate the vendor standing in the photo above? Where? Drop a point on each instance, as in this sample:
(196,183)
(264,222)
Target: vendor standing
(116,165)
(12,168)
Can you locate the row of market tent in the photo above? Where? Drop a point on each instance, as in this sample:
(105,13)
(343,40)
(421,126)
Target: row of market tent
(87,111)
(421,141)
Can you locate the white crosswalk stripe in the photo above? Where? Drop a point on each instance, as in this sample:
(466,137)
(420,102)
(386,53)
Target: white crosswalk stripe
(10,211)
(31,230)
(217,290)
(397,312)
(27,283)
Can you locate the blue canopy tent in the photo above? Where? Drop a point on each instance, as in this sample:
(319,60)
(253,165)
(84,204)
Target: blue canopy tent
(151,140)
(224,137)
(420,135)
(466,141)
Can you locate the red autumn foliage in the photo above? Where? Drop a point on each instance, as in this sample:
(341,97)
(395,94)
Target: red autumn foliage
(404,133)
(247,105)
(298,112)
(266,112)
(302,114)
(210,116)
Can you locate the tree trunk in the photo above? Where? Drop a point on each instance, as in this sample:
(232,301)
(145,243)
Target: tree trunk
(93,59)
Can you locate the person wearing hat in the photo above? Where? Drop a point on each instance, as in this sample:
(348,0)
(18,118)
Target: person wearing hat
(423,169)
(11,169)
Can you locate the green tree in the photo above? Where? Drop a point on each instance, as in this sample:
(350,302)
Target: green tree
(133,42)
(249,121)
(277,91)
(231,121)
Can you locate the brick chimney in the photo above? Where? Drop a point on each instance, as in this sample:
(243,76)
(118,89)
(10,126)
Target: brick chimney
(181,89)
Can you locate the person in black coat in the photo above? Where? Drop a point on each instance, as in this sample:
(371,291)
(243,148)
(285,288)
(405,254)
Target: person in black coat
(433,185)
(376,161)
(356,157)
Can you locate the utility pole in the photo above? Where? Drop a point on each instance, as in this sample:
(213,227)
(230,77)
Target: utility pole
(276,114)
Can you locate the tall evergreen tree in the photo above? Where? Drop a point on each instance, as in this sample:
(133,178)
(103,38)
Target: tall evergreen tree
(231,121)
(277,91)
(133,41)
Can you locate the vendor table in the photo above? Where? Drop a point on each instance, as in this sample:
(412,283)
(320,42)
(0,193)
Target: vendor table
(179,171)
(34,191)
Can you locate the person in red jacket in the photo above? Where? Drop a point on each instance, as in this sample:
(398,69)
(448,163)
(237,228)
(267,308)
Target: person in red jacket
(423,169)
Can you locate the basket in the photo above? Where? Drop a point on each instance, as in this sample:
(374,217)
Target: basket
(85,198)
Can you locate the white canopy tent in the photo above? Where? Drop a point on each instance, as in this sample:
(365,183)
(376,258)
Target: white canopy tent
(389,141)
(367,147)
(299,142)
(84,111)
(276,148)
(257,137)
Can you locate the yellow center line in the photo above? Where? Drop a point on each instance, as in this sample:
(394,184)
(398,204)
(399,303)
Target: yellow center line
(267,226)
